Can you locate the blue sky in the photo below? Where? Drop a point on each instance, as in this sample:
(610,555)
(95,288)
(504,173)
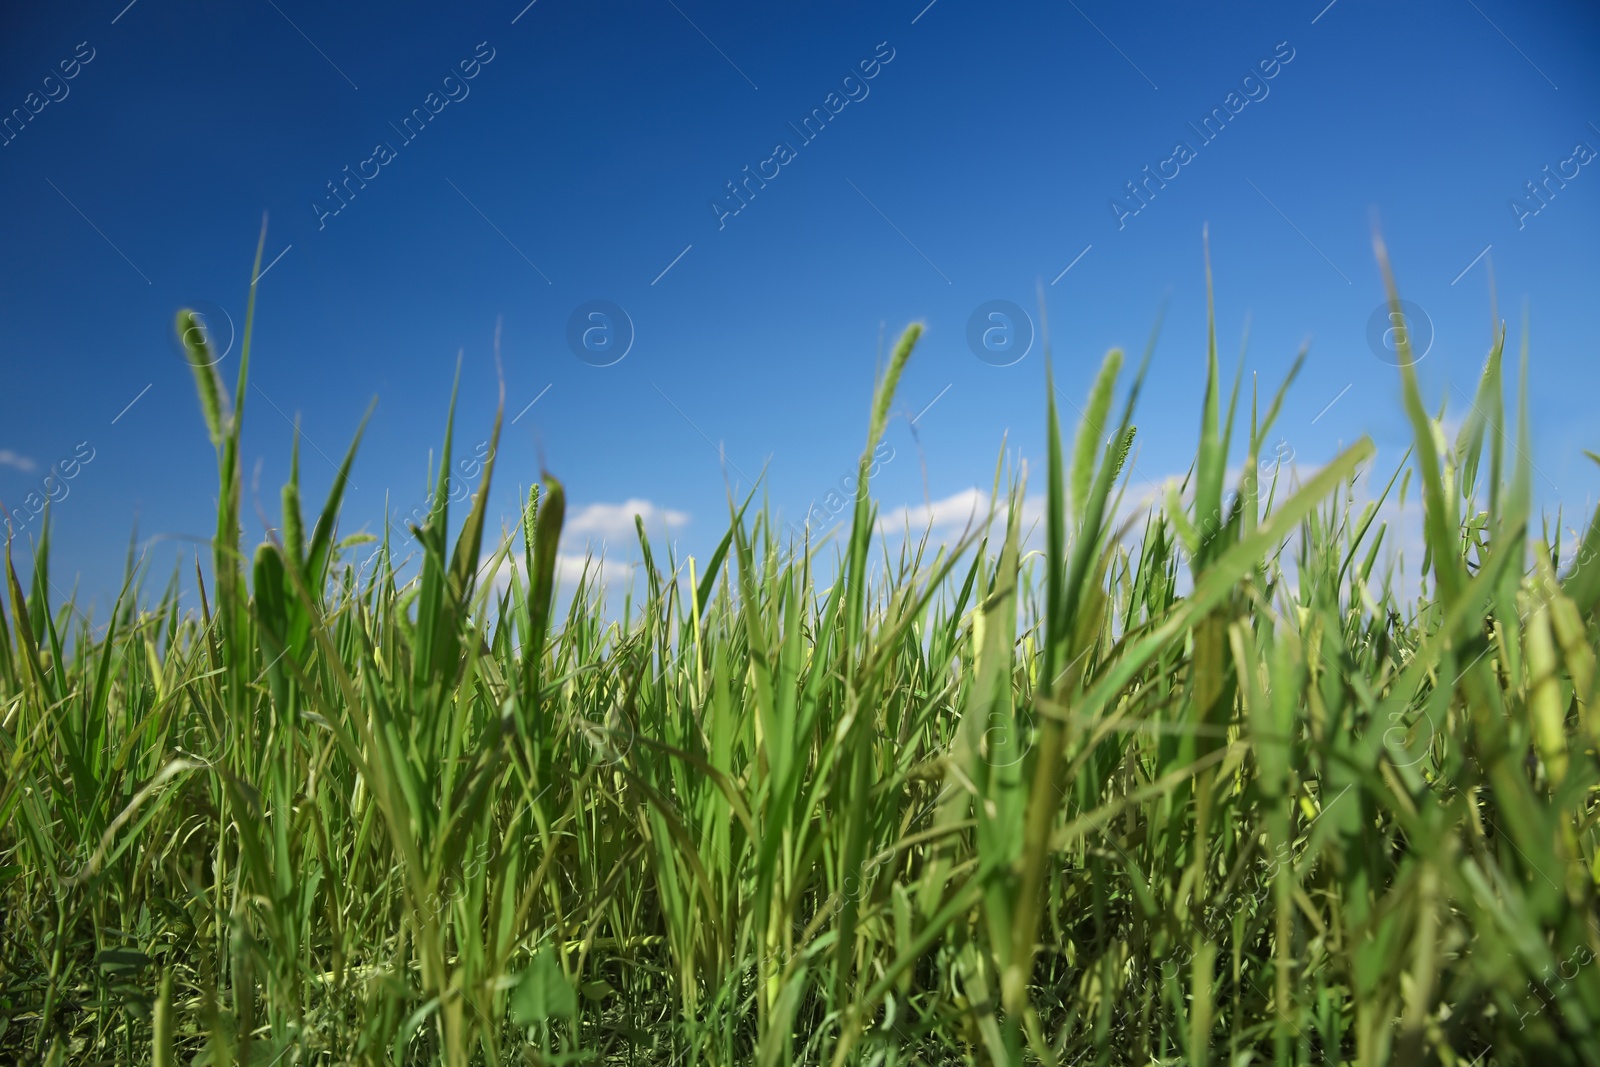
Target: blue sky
(564,153)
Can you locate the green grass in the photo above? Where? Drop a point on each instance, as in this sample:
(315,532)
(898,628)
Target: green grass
(1208,787)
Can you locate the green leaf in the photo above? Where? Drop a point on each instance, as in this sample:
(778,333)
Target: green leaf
(597,990)
(543,992)
(1088,444)
(319,550)
(708,580)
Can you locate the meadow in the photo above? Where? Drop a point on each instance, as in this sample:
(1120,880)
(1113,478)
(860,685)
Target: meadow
(1207,785)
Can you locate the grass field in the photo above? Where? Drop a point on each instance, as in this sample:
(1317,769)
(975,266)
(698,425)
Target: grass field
(1205,787)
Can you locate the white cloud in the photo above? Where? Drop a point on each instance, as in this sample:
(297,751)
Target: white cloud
(968,507)
(613,574)
(584,538)
(9,458)
(616,520)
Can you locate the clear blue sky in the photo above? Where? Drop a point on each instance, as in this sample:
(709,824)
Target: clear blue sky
(582,160)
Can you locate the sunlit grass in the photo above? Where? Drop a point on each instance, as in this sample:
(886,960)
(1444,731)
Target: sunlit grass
(1137,799)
